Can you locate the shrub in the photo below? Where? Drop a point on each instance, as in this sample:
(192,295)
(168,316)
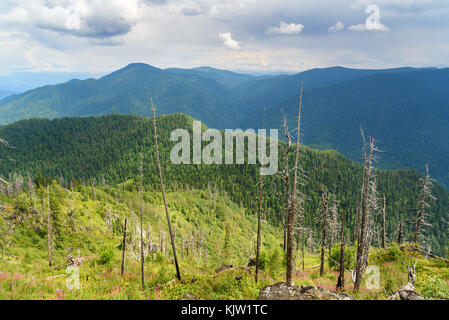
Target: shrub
(392,253)
(435,288)
(275,262)
(106,256)
(350,257)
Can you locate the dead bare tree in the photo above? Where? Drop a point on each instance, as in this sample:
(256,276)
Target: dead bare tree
(341,274)
(293,199)
(124,247)
(423,205)
(259,215)
(325,204)
(163,191)
(49,229)
(333,223)
(363,237)
(93,182)
(383,221)
(373,210)
(286,175)
(142,256)
(400,233)
(30,187)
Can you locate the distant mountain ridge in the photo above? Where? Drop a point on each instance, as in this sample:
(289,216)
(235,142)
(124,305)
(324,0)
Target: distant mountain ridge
(406,109)
(4,94)
(24,81)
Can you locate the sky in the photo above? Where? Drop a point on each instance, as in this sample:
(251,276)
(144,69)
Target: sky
(100,36)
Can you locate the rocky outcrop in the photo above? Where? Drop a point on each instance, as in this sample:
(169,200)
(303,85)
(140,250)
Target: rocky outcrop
(410,295)
(190,296)
(280,291)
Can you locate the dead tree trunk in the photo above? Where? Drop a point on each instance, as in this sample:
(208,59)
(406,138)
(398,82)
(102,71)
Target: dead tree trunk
(286,177)
(142,256)
(123,248)
(426,194)
(383,222)
(302,249)
(259,214)
(291,209)
(323,237)
(341,275)
(364,214)
(49,235)
(400,233)
(178,274)
(93,189)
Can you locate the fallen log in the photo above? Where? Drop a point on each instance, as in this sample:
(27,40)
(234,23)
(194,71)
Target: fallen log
(426,254)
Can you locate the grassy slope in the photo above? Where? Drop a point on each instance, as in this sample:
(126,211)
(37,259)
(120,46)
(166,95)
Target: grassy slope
(26,274)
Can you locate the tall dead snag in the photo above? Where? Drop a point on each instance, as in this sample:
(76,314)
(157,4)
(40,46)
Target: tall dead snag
(291,209)
(423,205)
(49,235)
(142,256)
(341,274)
(259,215)
(363,236)
(383,221)
(92,185)
(333,224)
(400,233)
(286,176)
(302,251)
(325,203)
(153,108)
(124,247)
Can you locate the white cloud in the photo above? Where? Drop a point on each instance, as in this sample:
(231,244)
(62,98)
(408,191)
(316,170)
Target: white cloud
(103,35)
(285,28)
(337,27)
(82,18)
(363,27)
(228,42)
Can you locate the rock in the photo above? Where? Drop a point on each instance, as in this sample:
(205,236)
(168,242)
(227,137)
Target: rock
(410,295)
(280,291)
(189,296)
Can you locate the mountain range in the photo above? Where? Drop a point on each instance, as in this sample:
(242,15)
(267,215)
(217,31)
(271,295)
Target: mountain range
(405,109)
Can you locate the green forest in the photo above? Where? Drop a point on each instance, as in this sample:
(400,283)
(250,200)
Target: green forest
(95,170)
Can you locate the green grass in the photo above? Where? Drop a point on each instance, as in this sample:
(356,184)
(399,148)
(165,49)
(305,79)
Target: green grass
(83,226)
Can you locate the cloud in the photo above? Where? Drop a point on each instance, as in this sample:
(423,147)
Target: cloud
(285,28)
(372,22)
(229,42)
(363,27)
(82,18)
(192,11)
(337,27)
(103,35)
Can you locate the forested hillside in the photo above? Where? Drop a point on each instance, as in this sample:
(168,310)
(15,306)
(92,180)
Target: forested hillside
(105,150)
(407,113)
(406,109)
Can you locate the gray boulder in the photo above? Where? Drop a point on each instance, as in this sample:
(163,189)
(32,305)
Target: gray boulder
(280,291)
